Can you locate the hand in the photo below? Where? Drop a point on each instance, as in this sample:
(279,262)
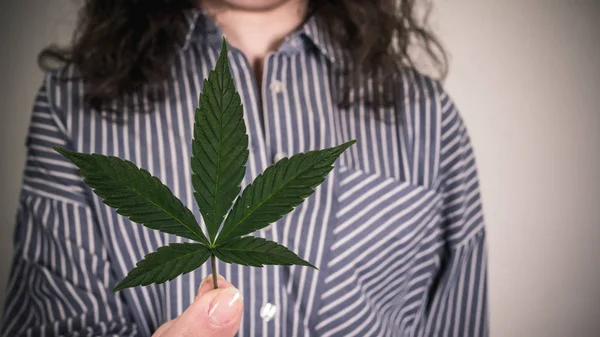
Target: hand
(214,313)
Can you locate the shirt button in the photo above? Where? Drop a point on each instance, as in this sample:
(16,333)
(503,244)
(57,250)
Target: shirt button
(278,156)
(294,42)
(267,312)
(277,86)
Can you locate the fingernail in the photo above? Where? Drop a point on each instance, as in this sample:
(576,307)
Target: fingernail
(225,306)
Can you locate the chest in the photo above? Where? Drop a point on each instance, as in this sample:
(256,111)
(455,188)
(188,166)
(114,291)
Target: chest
(371,227)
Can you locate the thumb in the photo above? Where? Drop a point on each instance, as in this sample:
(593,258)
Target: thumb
(216,313)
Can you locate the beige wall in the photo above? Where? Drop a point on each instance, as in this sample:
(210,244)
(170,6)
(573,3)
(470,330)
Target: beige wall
(526,76)
(25,27)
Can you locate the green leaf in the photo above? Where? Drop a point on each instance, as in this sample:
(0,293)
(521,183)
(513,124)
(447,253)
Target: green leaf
(136,194)
(165,264)
(278,190)
(220,146)
(219,156)
(257,252)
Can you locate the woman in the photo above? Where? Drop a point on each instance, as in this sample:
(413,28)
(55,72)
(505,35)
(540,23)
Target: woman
(397,228)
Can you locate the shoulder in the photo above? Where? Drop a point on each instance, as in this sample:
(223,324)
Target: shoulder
(63,81)
(418,92)
(61,91)
(47,173)
(421,97)
(428,124)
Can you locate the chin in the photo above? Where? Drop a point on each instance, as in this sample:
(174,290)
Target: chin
(256,5)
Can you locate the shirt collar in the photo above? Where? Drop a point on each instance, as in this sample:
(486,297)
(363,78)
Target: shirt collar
(313,31)
(320,36)
(191,16)
(200,27)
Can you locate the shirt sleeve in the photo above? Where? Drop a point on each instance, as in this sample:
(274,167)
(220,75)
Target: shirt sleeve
(61,277)
(458,302)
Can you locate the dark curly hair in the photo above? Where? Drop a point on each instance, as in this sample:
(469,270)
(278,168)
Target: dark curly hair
(122,45)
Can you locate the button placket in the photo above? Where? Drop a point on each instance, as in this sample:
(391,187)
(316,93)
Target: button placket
(268,311)
(294,42)
(277,86)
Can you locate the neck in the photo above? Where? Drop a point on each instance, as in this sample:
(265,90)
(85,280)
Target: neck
(256,31)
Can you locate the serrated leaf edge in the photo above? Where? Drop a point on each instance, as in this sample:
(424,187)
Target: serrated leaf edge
(71,154)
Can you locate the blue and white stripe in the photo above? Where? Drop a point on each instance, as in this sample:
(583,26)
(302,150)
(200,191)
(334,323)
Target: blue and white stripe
(396,229)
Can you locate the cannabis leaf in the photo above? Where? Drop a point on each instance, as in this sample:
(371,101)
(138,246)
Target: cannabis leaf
(220,146)
(278,190)
(257,252)
(219,156)
(165,264)
(136,194)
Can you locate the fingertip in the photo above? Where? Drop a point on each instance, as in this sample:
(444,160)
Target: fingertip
(217,313)
(207,284)
(226,308)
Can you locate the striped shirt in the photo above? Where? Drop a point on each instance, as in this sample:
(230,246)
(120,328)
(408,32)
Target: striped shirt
(396,229)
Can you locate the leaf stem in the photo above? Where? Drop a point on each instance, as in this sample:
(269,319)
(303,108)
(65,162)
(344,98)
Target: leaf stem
(213,265)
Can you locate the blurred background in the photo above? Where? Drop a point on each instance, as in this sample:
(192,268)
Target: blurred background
(526,76)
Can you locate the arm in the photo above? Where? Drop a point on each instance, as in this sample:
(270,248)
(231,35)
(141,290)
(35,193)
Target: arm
(61,277)
(458,303)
